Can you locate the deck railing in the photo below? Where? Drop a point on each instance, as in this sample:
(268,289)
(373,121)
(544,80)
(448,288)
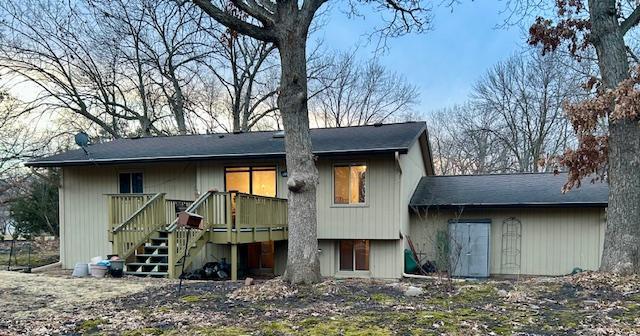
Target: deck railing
(139,225)
(213,207)
(259,212)
(174,206)
(121,206)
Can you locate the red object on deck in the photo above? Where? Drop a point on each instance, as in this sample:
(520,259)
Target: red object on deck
(190,220)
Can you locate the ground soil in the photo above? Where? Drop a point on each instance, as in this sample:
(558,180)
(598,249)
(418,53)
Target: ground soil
(56,304)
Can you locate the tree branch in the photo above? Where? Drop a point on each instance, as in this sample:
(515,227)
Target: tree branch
(230,21)
(632,20)
(255,10)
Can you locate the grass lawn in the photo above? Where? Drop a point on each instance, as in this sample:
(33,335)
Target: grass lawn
(587,304)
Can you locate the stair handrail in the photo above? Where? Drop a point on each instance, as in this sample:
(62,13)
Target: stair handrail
(191,208)
(149,218)
(179,236)
(137,212)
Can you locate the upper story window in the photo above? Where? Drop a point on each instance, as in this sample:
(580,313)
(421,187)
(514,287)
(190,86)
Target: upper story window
(130,183)
(259,181)
(349,183)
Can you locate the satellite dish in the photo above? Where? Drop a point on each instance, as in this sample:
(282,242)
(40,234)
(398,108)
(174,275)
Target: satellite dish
(82,140)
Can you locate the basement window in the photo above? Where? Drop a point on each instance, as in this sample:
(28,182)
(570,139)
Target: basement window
(130,183)
(354,255)
(349,183)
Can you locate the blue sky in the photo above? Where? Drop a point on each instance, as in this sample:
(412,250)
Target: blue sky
(444,62)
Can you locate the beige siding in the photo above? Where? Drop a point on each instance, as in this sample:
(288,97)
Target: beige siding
(377,219)
(413,170)
(83,203)
(84,212)
(383,260)
(554,241)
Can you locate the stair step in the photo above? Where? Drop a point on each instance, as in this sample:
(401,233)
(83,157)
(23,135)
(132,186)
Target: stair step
(151,255)
(160,238)
(160,247)
(147,264)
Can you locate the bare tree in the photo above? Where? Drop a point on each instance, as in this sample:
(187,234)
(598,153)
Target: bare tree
(514,119)
(286,24)
(463,144)
(355,93)
(526,97)
(247,70)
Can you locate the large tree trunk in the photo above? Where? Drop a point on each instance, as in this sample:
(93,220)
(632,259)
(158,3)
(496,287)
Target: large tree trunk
(622,239)
(303,265)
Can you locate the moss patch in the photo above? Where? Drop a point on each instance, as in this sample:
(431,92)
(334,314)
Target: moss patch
(383,298)
(144,332)
(219,331)
(191,298)
(90,326)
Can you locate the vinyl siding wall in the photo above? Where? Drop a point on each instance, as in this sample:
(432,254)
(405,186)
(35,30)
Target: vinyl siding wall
(383,260)
(379,218)
(554,240)
(413,170)
(83,203)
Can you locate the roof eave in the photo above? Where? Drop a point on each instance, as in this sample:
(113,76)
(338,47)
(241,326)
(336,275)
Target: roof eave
(512,205)
(90,162)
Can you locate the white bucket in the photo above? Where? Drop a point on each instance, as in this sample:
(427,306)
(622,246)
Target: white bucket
(80,270)
(98,271)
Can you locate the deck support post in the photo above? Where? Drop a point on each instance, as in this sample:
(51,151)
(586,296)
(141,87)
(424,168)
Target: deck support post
(172,242)
(234,262)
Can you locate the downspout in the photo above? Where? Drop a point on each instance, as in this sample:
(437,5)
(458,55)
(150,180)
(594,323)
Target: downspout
(396,155)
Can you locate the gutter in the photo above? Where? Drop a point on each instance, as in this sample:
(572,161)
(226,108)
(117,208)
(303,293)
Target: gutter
(145,159)
(429,277)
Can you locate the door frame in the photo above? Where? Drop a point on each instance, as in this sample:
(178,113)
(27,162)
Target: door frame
(485,221)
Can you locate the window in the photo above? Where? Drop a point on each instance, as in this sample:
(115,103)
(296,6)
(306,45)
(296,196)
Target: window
(259,181)
(130,183)
(349,184)
(354,255)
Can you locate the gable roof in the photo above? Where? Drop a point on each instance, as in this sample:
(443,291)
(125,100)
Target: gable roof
(506,190)
(379,138)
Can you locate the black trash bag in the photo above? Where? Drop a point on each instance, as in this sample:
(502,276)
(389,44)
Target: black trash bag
(429,267)
(216,270)
(194,275)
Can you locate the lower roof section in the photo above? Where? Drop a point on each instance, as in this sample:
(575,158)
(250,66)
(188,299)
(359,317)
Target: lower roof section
(506,190)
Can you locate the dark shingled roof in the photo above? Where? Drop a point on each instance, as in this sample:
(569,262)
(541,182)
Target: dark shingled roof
(506,190)
(342,140)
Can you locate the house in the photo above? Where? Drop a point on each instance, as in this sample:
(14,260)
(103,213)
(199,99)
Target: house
(376,190)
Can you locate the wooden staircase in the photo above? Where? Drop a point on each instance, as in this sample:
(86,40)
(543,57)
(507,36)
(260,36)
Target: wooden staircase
(153,259)
(144,230)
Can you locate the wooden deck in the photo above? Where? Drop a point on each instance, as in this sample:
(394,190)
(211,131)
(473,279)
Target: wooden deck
(229,218)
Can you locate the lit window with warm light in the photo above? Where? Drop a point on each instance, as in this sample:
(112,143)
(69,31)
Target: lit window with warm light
(349,183)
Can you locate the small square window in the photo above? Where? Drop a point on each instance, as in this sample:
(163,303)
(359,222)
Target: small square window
(130,183)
